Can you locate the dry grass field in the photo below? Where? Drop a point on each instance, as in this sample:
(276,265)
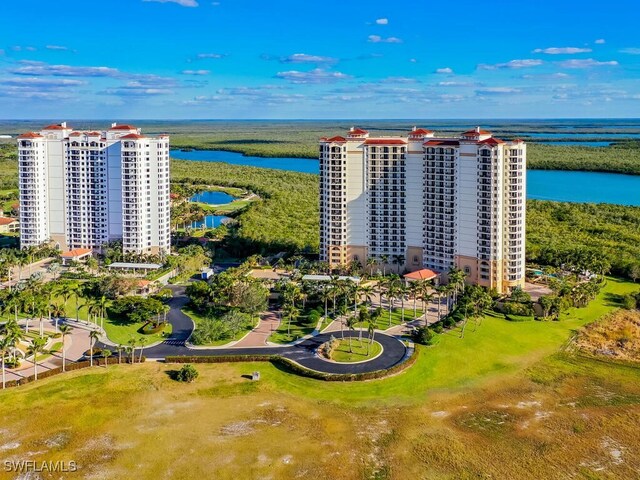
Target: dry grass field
(505,402)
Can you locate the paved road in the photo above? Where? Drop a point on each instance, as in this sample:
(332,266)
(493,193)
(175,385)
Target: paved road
(303,353)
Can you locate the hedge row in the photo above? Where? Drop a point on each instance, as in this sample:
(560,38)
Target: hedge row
(70,367)
(296,368)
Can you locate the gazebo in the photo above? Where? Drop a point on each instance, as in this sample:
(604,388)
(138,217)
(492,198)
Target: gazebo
(419,275)
(75,255)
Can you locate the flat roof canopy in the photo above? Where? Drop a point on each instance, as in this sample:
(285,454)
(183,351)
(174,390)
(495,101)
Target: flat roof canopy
(143,266)
(327,278)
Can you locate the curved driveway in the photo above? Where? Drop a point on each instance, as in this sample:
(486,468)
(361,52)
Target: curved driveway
(303,353)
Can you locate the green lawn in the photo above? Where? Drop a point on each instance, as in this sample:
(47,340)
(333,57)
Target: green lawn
(396,318)
(197,318)
(121,333)
(359,350)
(494,348)
(299,328)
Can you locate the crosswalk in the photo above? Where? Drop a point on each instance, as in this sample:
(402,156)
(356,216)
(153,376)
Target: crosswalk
(178,343)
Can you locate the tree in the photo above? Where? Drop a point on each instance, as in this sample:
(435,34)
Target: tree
(120,348)
(5,348)
(36,347)
(64,331)
(131,350)
(351,325)
(142,342)
(106,354)
(93,338)
(423,335)
(384,260)
(634,271)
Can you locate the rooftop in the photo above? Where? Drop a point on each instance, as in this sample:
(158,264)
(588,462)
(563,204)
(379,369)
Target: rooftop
(424,274)
(76,253)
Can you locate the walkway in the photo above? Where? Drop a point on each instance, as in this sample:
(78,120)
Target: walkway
(269,323)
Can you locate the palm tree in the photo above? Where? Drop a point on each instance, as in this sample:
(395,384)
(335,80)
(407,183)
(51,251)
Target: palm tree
(37,345)
(93,338)
(64,331)
(104,303)
(384,260)
(66,289)
(131,350)
(351,325)
(402,290)
(106,354)
(57,311)
(120,348)
(325,295)
(142,342)
(5,348)
(372,262)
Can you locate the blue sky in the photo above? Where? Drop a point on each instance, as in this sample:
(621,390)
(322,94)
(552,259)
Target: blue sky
(172,59)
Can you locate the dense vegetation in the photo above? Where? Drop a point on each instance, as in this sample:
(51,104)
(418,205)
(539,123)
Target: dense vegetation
(285,219)
(620,158)
(564,233)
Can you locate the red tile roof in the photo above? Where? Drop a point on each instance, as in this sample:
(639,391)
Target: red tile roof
(335,139)
(357,131)
(7,220)
(76,252)
(474,132)
(432,143)
(491,141)
(30,135)
(424,274)
(123,127)
(133,136)
(420,131)
(55,127)
(385,141)
(75,134)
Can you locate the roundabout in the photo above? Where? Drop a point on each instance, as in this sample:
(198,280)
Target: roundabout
(304,353)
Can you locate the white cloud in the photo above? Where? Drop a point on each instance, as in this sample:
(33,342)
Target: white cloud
(41,68)
(600,41)
(19,48)
(444,70)
(587,63)
(195,72)
(317,75)
(211,55)
(631,51)
(379,39)
(382,21)
(511,64)
(562,50)
(413,60)
(56,47)
(398,80)
(41,82)
(184,3)
(304,58)
(456,84)
(497,91)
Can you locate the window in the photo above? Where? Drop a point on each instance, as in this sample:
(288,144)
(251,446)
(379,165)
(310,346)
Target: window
(415,259)
(467,269)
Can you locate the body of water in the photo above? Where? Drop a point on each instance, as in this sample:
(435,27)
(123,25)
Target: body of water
(212,198)
(583,187)
(630,136)
(210,221)
(561,186)
(578,144)
(293,164)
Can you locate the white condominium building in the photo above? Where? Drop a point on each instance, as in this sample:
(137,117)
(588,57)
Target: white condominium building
(82,189)
(425,201)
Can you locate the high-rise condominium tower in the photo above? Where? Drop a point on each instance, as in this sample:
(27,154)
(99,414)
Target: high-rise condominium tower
(425,201)
(82,189)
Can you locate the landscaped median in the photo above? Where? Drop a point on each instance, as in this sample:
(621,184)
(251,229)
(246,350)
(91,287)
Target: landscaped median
(292,366)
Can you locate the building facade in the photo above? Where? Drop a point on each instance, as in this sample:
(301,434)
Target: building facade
(426,201)
(82,189)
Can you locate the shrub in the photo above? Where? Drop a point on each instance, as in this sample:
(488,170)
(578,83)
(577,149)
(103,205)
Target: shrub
(422,335)
(187,373)
(150,328)
(438,328)
(314,316)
